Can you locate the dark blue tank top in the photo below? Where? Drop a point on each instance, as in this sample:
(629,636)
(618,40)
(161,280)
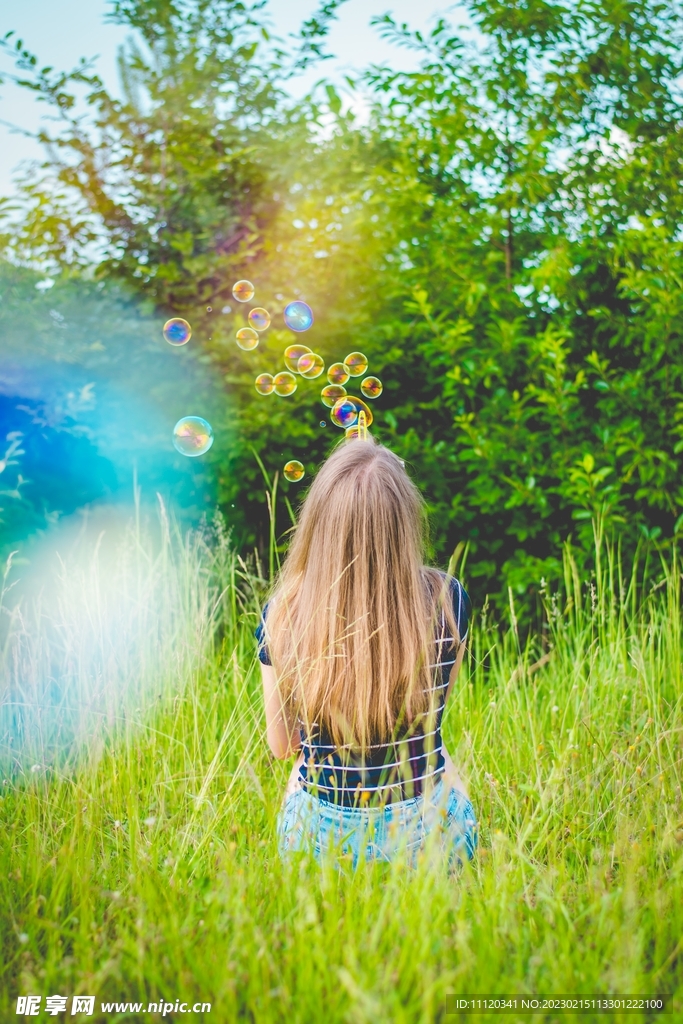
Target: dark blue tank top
(390,771)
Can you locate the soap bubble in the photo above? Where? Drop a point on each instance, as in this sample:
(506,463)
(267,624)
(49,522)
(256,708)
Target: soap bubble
(259,319)
(345,412)
(192,436)
(323,423)
(293,354)
(331,393)
(337,374)
(248,339)
(356,364)
(285,383)
(177,331)
(264,383)
(311,365)
(359,431)
(298,316)
(363,410)
(209,309)
(243,291)
(372,387)
(293,471)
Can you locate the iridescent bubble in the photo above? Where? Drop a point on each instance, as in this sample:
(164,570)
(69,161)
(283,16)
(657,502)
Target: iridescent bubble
(264,383)
(372,387)
(209,309)
(356,364)
(177,331)
(247,339)
(298,316)
(365,410)
(357,433)
(243,291)
(337,373)
(293,471)
(311,365)
(323,423)
(331,393)
(285,383)
(360,430)
(192,436)
(259,319)
(345,412)
(293,354)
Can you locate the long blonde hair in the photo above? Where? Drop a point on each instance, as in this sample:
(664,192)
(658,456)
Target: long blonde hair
(351,622)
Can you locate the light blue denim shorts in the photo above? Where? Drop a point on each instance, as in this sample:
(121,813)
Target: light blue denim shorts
(379,833)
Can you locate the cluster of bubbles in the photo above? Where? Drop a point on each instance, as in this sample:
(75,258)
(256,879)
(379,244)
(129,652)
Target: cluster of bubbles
(192,435)
(347,412)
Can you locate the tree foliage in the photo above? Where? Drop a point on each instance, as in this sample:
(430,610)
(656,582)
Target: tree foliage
(503,239)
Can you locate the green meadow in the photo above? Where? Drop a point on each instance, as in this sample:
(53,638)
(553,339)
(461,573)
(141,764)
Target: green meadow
(138,854)
(497,224)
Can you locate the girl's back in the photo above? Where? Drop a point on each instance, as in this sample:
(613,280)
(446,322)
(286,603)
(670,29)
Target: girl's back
(359,645)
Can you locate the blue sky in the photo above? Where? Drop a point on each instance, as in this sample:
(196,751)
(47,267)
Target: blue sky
(62,31)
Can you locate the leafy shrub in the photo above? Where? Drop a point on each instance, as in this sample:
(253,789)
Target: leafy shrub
(502,238)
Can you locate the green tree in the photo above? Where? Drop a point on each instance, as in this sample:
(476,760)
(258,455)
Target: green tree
(174,190)
(525,285)
(171,187)
(502,239)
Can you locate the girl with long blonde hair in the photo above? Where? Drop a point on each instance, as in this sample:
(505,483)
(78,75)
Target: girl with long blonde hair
(360,645)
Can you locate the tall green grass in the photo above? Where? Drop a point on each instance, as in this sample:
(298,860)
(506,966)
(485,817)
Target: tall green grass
(138,856)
